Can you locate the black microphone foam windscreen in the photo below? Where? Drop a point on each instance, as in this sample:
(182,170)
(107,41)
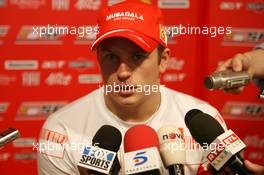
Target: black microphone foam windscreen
(203,127)
(108,137)
(190,114)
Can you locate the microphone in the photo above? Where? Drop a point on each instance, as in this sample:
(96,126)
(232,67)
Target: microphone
(141,146)
(100,158)
(172,149)
(226,79)
(207,131)
(8,135)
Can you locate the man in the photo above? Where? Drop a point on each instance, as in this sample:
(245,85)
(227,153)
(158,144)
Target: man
(132,53)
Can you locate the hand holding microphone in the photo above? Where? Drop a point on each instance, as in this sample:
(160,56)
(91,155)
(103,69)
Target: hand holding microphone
(206,130)
(257,169)
(227,80)
(251,63)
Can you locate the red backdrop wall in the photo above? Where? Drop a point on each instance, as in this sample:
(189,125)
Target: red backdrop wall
(39,75)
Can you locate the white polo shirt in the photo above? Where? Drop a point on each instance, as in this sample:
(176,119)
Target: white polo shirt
(77,123)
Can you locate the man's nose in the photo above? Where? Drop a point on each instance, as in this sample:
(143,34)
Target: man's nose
(123,72)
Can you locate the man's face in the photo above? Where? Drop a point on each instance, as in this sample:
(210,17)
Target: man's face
(124,63)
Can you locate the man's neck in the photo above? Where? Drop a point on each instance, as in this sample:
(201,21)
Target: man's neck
(137,113)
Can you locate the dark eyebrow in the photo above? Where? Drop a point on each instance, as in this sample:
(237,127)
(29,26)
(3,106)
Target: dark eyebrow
(105,49)
(141,52)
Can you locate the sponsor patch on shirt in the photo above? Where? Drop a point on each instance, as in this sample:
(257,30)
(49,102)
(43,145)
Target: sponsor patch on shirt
(52,143)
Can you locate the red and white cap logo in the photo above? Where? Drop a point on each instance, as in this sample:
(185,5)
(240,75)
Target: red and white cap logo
(137,21)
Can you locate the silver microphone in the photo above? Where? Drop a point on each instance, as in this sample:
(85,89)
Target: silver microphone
(226,79)
(8,135)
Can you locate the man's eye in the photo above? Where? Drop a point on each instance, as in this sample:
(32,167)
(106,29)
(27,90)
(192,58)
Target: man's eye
(139,57)
(111,57)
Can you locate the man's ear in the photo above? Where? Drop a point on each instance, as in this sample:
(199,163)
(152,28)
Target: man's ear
(165,56)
